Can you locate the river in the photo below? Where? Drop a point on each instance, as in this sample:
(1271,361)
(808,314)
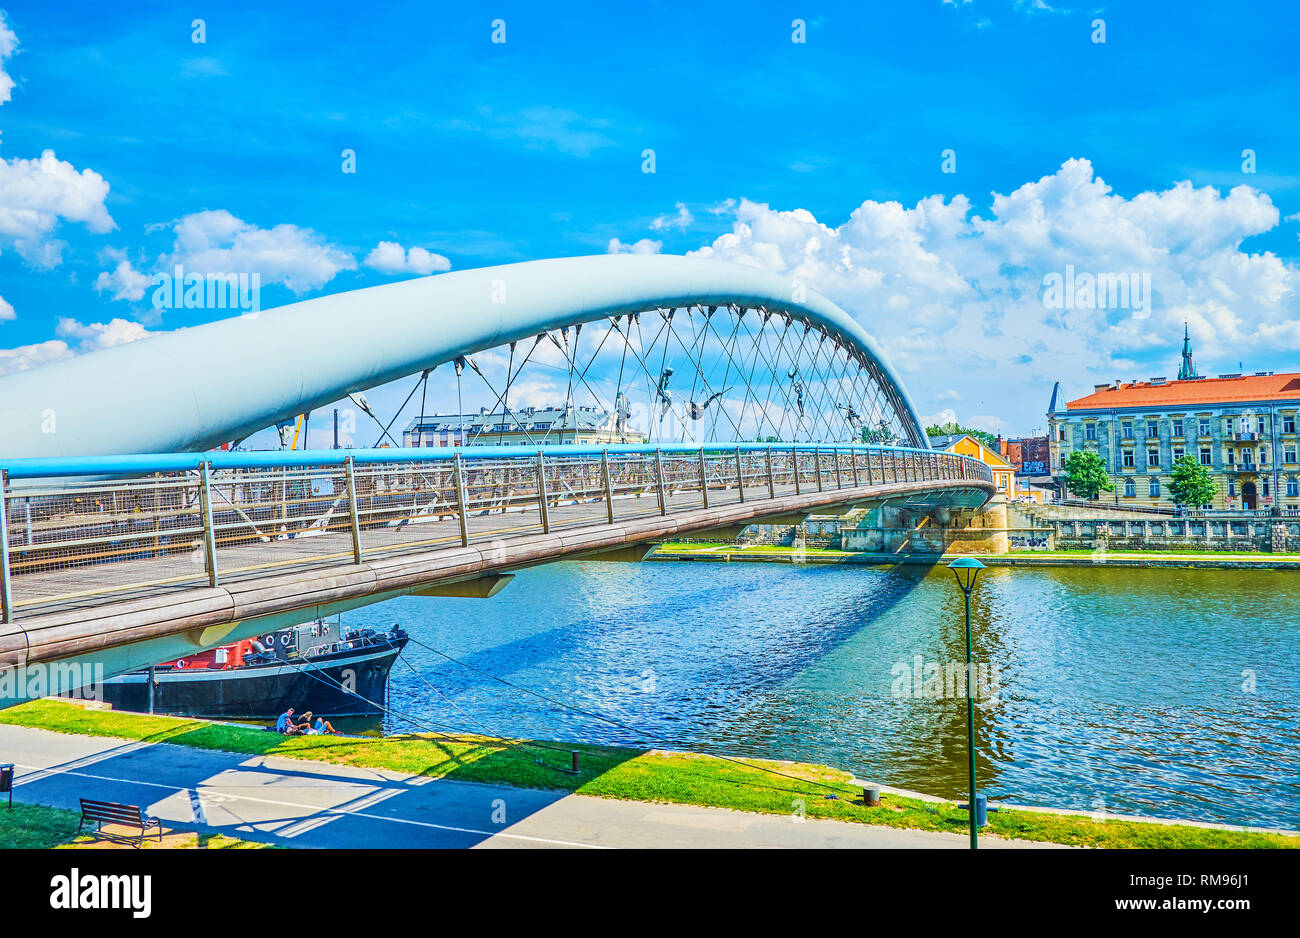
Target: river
(1168,693)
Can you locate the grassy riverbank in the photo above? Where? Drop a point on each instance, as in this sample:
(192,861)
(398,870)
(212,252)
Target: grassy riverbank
(38,827)
(630,774)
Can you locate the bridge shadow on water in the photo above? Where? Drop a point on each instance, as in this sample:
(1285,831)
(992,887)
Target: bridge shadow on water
(579,658)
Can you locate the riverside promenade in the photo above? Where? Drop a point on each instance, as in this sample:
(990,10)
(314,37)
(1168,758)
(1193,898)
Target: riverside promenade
(300,803)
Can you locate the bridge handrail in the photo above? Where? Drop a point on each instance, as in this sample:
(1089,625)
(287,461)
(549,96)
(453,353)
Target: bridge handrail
(146,463)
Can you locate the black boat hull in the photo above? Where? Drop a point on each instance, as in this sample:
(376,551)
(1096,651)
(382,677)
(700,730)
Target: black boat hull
(263,692)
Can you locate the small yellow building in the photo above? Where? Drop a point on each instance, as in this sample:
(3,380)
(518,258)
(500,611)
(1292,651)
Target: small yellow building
(1004,474)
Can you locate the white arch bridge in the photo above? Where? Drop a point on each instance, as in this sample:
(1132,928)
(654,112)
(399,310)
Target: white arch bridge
(645,398)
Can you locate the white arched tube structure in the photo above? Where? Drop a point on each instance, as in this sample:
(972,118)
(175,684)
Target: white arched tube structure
(195,388)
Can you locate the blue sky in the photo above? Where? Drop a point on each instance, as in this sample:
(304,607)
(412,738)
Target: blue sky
(484,153)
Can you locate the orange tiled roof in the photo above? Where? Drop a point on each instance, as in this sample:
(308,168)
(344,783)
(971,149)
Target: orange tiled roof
(1284,387)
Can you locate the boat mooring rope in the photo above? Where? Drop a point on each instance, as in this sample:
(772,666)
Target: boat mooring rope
(619,723)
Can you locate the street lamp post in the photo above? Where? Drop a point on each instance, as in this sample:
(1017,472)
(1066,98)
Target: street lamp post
(966,569)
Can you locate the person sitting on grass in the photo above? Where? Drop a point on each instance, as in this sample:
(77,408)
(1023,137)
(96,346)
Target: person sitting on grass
(323,727)
(290,727)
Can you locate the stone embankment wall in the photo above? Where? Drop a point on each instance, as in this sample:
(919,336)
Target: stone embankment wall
(1000,528)
(897,531)
(1255,535)
(1026,514)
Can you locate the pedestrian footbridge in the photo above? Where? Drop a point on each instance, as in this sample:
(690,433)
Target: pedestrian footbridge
(687,396)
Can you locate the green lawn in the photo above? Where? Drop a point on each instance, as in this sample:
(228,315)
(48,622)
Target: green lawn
(677,548)
(35,826)
(638,775)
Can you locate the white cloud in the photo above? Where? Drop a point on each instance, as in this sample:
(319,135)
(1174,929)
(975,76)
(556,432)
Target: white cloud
(30,356)
(124,282)
(86,336)
(96,335)
(8,46)
(542,127)
(216,242)
(35,195)
(644,246)
(947,415)
(391,258)
(6,309)
(681,220)
(957,298)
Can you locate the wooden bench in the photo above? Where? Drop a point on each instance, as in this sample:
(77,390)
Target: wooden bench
(110,812)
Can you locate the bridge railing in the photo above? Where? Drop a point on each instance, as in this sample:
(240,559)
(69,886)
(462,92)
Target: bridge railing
(80,531)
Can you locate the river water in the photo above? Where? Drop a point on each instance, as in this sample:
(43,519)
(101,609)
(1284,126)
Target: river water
(1170,693)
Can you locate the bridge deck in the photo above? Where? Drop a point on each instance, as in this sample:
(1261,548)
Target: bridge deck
(85,586)
(104,565)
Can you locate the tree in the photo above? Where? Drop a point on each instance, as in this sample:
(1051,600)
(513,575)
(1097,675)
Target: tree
(1192,483)
(952,428)
(880,434)
(1085,475)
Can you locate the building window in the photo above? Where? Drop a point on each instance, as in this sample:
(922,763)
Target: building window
(1288,424)
(1061,436)
(1288,454)
(1090,431)
(1178,428)
(1263,488)
(1154,488)
(1126,430)
(1231,424)
(1230,458)
(1128,459)
(1153,457)
(1206,457)
(1130,488)
(1292,487)
(1204,427)
(1153,429)
(1263,456)
(1232,486)
(1178,453)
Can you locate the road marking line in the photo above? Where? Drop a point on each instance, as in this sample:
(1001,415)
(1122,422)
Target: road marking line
(305,807)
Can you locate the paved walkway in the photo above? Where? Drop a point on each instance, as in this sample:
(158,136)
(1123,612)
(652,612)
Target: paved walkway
(297,803)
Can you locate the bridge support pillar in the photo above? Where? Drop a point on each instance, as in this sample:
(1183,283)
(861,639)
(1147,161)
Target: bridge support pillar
(609,489)
(6,587)
(542,507)
(459,473)
(659,482)
(209,533)
(354,520)
(632,553)
(483,587)
(704,479)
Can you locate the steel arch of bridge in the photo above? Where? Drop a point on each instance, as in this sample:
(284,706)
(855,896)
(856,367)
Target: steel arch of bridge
(193,389)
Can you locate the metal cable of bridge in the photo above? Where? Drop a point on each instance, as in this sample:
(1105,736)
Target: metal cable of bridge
(745,380)
(620,723)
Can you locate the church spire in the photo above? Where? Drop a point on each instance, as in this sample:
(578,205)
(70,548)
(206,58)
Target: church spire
(1187,369)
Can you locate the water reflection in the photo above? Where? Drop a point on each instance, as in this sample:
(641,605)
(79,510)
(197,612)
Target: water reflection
(1118,689)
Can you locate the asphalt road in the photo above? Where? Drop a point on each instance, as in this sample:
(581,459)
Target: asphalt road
(295,803)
